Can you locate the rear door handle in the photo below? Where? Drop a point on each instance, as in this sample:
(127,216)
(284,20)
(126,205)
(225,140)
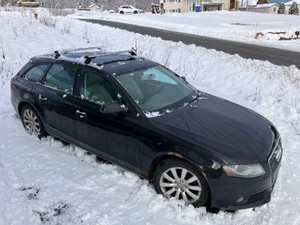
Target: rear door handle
(81,114)
(42,98)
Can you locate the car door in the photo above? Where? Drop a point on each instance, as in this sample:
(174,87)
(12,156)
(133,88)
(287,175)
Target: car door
(109,135)
(29,80)
(56,100)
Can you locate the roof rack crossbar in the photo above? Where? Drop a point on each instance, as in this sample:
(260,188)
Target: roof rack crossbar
(66,51)
(57,55)
(88,59)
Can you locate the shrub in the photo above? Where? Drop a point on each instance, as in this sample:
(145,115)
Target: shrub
(47,20)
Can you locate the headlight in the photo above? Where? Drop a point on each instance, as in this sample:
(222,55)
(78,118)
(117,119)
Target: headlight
(244,171)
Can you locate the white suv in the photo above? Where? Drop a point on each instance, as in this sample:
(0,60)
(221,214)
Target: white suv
(129,9)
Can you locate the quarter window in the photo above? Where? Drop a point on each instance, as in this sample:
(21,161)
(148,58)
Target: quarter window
(36,72)
(61,77)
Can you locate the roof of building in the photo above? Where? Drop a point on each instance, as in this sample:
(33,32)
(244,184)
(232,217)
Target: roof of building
(93,5)
(265,5)
(291,2)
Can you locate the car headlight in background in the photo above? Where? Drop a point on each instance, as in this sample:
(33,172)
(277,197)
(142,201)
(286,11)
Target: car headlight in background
(244,171)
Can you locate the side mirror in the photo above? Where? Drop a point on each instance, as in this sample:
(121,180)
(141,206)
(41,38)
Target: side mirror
(113,107)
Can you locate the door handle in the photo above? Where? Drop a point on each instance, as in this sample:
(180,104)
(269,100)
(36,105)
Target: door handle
(81,114)
(42,98)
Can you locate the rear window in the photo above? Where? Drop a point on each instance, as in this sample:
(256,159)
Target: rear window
(61,77)
(36,73)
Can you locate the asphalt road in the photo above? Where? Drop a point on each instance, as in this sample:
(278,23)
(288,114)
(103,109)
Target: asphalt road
(273,55)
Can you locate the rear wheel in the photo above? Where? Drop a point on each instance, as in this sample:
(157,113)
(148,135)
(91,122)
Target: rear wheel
(32,122)
(176,178)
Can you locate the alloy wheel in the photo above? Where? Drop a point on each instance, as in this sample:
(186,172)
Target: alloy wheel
(31,122)
(180,183)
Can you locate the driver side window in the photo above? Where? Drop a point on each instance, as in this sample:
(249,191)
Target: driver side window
(95,88)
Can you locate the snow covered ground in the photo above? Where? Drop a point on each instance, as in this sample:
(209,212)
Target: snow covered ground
(234,25)
(45,182)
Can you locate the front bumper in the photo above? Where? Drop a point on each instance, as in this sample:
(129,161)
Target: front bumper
(231,193)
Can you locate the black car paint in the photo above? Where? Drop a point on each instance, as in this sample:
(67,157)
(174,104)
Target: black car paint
(235,134)
(135,141)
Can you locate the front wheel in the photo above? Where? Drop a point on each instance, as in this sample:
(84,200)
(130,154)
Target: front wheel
(176,178)
(32,122)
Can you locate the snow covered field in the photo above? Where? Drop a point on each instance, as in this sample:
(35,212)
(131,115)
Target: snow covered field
(45,182)
(234,25)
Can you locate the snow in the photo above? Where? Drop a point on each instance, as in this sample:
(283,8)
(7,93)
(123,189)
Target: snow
(229,25)
(47,182)
(265,5)
(291,2)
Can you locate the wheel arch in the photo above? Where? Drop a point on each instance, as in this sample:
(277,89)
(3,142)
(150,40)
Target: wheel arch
(24,103)
(170,155)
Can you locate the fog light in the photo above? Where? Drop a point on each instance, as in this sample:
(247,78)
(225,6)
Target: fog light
(240,200)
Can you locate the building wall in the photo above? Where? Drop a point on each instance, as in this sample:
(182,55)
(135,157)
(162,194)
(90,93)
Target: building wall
(175,6)
(226,5)
(184,6)
(272,10)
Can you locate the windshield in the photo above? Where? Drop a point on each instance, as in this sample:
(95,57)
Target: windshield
(156,88)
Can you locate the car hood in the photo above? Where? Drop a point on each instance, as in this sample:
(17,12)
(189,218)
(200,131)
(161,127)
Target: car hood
(231,132)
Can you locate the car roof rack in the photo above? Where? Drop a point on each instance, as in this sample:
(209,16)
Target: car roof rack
(77,50)
(97,53)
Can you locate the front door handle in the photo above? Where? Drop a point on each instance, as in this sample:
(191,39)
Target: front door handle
(81,114)
(42,98)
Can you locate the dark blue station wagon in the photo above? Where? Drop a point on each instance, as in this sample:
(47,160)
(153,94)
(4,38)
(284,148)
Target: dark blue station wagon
(140,115)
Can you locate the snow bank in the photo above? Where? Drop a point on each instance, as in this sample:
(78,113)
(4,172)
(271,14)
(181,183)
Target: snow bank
(234,25)
(46,182)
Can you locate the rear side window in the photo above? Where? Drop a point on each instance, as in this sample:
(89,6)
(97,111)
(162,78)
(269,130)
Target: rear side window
(36,73)
(61,77)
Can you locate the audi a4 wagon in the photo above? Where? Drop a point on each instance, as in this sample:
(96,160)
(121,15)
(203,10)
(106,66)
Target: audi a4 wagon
(136,113)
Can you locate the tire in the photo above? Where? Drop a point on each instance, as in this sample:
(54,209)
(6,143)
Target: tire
(32,122)
(121,12)
(176,178)
(135,12)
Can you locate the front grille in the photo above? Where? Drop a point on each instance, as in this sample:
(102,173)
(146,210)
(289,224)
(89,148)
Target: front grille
(256,197)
